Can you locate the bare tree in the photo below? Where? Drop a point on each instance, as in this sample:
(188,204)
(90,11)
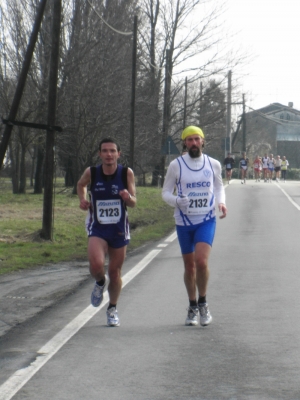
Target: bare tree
(192,39)
(95,77)
(16,16)
(94,94)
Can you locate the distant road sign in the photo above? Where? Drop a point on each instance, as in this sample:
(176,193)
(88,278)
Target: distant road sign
(169,147)
(225,142)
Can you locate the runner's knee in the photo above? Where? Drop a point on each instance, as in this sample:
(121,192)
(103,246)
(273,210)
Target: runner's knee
(114,274)
(190,268)
(201,263)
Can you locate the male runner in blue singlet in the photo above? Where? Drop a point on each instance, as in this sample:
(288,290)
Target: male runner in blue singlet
(112,189)
(198,180)
(244,161)
(229,163)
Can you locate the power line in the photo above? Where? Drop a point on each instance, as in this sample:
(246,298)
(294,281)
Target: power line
(106,23)
(121,33)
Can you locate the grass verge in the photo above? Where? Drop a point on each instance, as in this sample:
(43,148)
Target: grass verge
(21,222)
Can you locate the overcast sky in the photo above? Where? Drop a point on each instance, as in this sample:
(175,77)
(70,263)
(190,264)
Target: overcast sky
(270,31)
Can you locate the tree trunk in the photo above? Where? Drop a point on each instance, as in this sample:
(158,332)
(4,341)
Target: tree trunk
(14,158)
(22,185)
(33,166)
(155,175)
(69,176)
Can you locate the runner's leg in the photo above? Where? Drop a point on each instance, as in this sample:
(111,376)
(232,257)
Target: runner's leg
(202,252)
(116,259)
(97,249)
(190,275)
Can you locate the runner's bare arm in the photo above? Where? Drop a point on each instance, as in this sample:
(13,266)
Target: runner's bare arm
(82,189)
(129,195)
(223,210)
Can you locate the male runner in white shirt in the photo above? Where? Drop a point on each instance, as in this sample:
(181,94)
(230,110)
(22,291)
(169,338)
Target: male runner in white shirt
(265,162)
(198,180)
(271,167)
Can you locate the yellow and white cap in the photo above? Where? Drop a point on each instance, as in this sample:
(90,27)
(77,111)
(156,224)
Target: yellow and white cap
(191,130)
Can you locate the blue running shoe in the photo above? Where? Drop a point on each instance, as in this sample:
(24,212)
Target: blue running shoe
(112,317)
(97,295)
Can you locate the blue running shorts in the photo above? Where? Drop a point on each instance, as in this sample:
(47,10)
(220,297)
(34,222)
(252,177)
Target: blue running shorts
(113,238)
(189,235)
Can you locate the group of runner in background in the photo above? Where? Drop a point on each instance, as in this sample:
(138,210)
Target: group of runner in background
(266,167)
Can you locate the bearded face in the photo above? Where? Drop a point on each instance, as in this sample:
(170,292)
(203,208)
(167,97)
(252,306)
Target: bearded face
(194,144)
(194,152)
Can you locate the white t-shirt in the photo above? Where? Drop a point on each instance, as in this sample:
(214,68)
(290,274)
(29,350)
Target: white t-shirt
(278,162)
(198,178)
(271,163)
(265,161)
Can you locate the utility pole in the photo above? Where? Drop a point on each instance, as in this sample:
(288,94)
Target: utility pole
(2,44)
(166,115)
(133,86)
(228,121)
(185,100)
(50,136)
(200,103)
(244,124)
(22,80)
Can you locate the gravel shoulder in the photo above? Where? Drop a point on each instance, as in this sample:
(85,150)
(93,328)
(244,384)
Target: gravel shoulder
(26,293)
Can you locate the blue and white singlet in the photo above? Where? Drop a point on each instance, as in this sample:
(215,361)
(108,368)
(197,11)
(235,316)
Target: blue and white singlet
(108,212)
(197,185)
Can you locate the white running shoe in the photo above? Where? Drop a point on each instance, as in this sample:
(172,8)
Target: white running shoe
(97,294)
(205,316)
(192,316)
(112,317)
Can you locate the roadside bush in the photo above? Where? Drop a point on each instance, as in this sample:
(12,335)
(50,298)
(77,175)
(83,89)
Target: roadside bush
(293,174)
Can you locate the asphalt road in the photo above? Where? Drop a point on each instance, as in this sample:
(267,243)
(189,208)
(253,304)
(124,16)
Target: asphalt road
(250,351)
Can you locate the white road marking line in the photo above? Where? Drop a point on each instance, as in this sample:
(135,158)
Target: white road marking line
(172,237)
(13,384)
(289,197)
(162,245)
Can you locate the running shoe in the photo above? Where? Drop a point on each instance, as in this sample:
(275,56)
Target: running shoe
(205,316)
(192,316)
(112,317)
(97,295)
